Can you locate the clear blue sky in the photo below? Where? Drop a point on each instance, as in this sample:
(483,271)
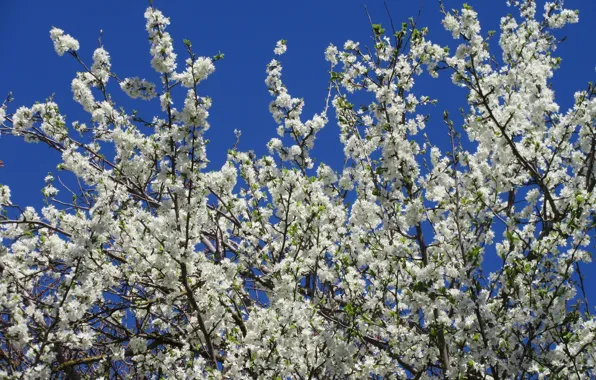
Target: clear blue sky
(246,31)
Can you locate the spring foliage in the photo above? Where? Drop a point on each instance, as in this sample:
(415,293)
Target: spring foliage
(151,265)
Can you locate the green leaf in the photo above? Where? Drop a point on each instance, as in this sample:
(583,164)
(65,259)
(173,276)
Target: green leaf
(420,286)
(378,29)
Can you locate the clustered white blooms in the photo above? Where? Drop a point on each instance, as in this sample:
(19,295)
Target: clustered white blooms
(162,51)
(270,268)
(138,88)
(196,70)
(63,42)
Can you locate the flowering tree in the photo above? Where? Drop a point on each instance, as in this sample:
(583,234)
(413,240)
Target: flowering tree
(272,267)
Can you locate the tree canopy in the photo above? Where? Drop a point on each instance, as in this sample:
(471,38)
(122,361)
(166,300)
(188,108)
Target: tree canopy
(145,262)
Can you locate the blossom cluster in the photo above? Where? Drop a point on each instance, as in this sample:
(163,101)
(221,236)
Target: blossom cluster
(63,42)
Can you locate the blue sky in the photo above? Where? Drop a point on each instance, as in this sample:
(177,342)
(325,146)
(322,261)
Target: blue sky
(246,32)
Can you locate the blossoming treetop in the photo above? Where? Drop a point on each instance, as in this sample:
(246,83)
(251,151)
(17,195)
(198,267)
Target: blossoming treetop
(274,267)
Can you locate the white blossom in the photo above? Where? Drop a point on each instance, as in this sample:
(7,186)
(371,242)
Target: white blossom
(138,88)
(280,47)
(63,42)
